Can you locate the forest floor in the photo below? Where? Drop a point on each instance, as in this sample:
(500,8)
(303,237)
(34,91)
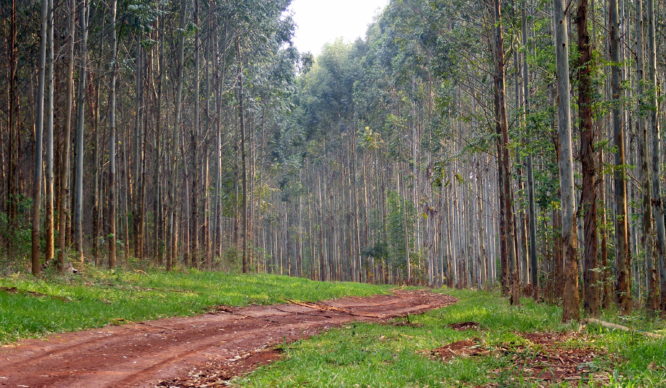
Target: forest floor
(480,341)
(206,350)
(286,336)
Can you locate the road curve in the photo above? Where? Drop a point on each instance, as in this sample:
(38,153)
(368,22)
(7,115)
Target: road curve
(166,351)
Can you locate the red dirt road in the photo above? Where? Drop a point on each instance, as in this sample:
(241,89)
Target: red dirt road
(166,351)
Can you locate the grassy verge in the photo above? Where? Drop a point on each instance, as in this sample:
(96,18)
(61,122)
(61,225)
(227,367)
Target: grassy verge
(32,307)
(375,355)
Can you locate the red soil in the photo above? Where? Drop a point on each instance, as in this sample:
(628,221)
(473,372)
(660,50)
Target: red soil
(193,351)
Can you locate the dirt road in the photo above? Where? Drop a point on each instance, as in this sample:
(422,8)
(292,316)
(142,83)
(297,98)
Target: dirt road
(184,351)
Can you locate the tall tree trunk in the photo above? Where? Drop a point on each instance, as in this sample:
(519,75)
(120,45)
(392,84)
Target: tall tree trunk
(571,301)
(50,245)
(178,127)
(159,168)
(194,138)
(241,119)
(14,137)
(80,129)
(587,154)
(647,241)
(217,213)
(534,263)
(63,194)
(658,205)
(96,151)
(138,138)
(623,287)
(39,130)
(605,274)
(112,138)
(502,128)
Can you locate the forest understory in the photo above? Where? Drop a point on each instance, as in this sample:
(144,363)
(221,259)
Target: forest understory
(193,134)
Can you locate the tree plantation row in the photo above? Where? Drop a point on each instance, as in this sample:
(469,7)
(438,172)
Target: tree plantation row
(464,143)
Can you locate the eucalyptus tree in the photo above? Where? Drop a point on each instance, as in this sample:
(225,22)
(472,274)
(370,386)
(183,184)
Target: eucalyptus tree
(588,137)
(13,139)
(49,181)
(529,159)
(647,238)
(569,234)
(507,223)
(113,238)
(243,138)
(658,206)
(39,130)
(63,191)
(80,129)
(623,252)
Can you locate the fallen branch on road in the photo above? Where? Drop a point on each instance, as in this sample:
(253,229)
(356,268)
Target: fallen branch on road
(332,308)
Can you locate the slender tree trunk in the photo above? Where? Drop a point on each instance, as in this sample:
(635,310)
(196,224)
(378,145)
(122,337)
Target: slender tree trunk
(112,138)
(646,242)
(571,305)
(194,135)
(606,298)
(587,153)
(139,144)
(218,213)
(50,244)
(502,128)
(657,201)
(534,263)
(96,151)
(39,125)
(160,161)
(178,127)
(14,137)
(80,129)
(623,287)
(241,119)
(63,195)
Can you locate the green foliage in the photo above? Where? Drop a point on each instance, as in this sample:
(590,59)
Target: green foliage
(327,90)
(378,251)
(138,16)
(231,260)
(18,235)
(370,139)
(400,223)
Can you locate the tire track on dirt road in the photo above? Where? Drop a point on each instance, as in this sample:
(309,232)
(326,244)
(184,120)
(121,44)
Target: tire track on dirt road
(166,351)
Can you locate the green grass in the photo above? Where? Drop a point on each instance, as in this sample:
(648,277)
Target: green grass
(375,355)
(98,298)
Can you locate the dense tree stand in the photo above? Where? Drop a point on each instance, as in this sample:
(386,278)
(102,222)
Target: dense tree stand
(457,143)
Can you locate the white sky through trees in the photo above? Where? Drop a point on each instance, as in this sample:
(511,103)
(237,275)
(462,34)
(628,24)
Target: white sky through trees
(322,21)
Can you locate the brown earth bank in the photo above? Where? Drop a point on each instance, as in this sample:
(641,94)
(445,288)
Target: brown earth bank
(214,347)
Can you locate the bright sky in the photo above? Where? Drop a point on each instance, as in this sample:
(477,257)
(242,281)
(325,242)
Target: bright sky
(322,21)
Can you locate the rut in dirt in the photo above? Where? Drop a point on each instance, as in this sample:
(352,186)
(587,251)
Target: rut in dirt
(169,350)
